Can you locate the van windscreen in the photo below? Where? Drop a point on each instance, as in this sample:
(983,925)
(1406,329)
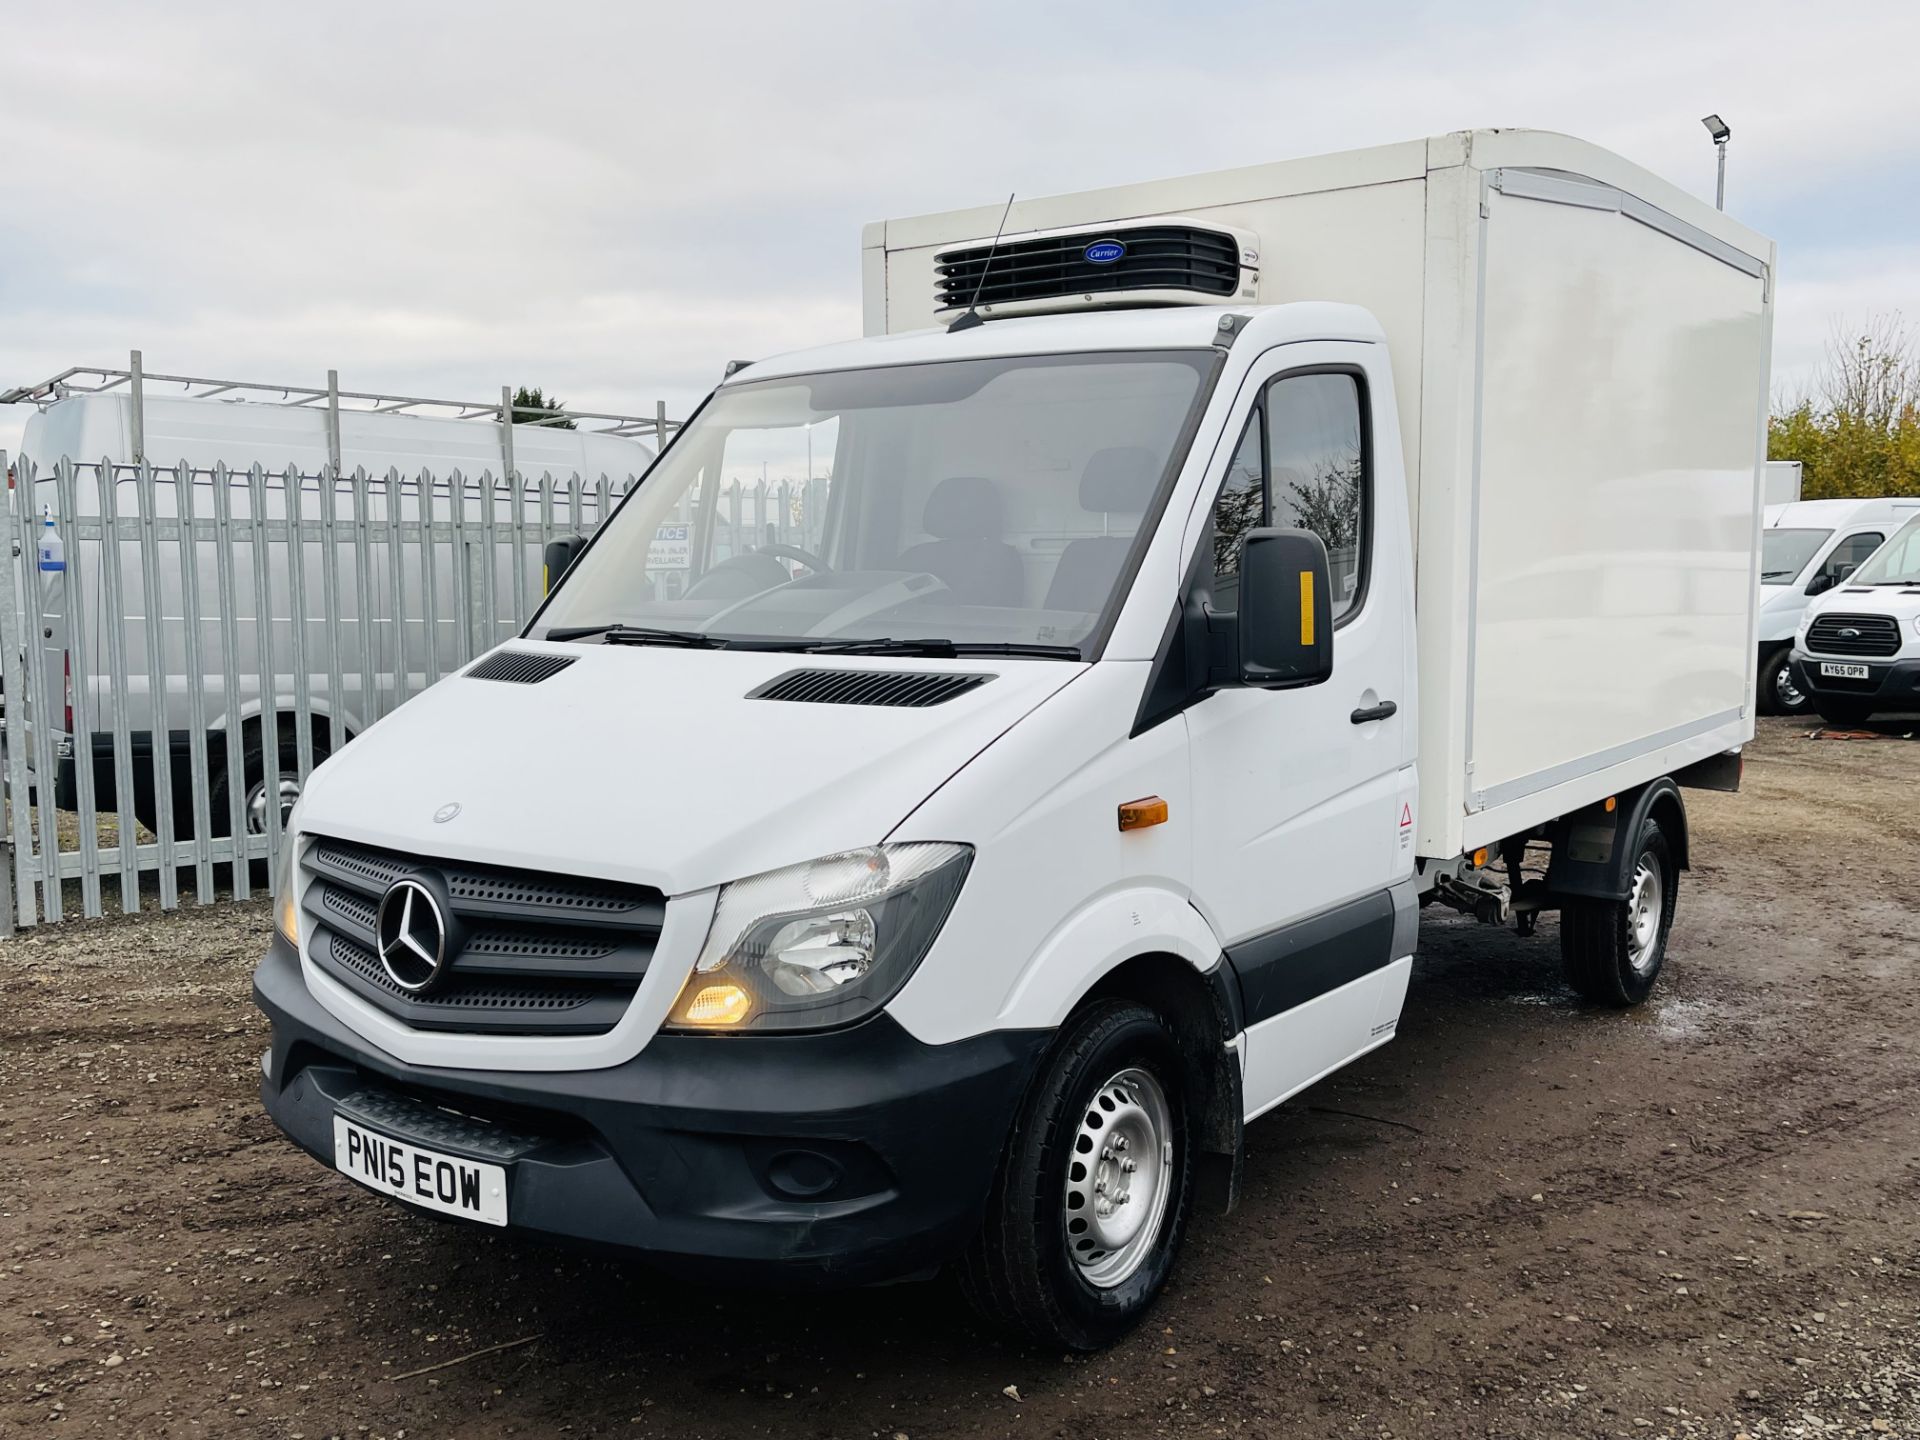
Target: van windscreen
(975,503)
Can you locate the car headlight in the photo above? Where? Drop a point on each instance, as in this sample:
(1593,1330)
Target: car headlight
(286,904)
(1916,624)
(821,943)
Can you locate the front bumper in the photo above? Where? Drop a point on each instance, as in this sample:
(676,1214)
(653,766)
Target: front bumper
(1890,684)
(843,1158)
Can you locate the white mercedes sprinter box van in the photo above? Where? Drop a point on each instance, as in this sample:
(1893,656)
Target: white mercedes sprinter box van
(1212,572)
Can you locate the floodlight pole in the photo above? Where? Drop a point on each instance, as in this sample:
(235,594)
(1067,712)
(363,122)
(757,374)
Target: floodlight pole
(1720,183)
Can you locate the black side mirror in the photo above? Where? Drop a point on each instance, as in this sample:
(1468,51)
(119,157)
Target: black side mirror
(558,555)
(1821,583)
(1285,625)
(1845,572)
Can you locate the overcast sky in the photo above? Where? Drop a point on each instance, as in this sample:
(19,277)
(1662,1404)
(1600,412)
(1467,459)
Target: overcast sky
(611,200)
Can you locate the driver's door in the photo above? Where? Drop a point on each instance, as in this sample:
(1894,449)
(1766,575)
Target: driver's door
(1303,798)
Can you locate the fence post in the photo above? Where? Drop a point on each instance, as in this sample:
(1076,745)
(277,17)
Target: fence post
(73,614)
(137,406)
(429,581)
(396,586)
(232,731)
(506,430)
(113,603)
(45,849)
(363,595)
(487,633)
(195,671)
(260,514)
(333,421)
(153,630)
(13,681)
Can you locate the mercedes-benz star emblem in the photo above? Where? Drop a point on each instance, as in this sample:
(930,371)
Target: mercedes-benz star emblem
(446,812)
(413,936)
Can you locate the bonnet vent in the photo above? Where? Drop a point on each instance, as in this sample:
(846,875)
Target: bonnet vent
(867,687)
(520,667)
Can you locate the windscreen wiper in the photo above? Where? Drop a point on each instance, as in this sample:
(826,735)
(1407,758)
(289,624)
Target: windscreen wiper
(638,635)
(942,649)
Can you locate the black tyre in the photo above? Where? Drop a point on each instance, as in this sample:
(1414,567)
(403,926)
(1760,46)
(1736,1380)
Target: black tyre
(1842,712)
(1613,949)
(254,778)
(1087,1213)
(1779,694)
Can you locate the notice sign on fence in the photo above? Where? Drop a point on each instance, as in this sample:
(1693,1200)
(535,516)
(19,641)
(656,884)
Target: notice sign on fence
(671,549)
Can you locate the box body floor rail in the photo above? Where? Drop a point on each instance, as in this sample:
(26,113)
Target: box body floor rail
(1194,583)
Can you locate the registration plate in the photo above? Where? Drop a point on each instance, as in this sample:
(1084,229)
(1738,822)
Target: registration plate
(425,1178)
(1844,672)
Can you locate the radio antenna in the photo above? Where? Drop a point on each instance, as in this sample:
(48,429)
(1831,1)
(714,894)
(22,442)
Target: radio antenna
(971,316)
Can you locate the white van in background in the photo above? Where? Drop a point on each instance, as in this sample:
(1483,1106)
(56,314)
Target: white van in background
(112,420)
(1806,549)
(1857,653)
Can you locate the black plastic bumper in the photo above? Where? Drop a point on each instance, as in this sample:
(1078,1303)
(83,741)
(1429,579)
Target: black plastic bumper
(843,1158)
(1890,684)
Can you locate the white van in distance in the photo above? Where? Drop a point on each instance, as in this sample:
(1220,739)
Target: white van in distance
(1213,573)
(1857,653)
(1806,549)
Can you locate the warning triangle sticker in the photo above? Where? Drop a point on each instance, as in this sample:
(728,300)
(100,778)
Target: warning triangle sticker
(1406,815)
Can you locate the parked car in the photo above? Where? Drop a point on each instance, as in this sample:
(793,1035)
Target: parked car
(1174,634)
(1857,653)
(1806,549)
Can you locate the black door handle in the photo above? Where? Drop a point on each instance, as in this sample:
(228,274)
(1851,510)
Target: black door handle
(1369,713)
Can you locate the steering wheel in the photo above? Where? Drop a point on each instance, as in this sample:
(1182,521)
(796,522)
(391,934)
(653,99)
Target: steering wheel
(793,552)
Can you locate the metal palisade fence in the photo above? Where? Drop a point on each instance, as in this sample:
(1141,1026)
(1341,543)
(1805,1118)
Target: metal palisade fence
(163,614)
(179,648)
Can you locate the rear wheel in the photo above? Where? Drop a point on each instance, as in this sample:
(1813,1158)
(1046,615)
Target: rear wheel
(1613,949)
(1842,712)
(1779,695)
(1086,1215)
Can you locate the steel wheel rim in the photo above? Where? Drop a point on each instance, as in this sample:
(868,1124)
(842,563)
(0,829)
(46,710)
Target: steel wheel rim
(1119,1178)
(1790,694)
(257,804)
(1644,905)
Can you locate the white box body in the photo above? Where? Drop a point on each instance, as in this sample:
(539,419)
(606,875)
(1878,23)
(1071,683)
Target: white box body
(1580,351)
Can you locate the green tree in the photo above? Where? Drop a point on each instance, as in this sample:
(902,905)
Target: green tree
(1856,428)
(525,399)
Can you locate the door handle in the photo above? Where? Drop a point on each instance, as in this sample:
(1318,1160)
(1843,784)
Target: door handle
(1369,713)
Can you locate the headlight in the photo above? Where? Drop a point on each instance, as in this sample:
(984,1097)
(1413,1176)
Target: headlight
(1916,624)
(822,943)
(286,904)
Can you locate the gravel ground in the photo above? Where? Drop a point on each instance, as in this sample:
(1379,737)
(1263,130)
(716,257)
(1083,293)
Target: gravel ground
(1524,1218)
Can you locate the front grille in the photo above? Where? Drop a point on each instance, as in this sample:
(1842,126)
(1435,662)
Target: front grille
(914,689)
(1875,636)
(1158,257)
(528,953)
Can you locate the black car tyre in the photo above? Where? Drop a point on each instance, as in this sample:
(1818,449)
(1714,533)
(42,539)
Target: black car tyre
(1779,694)
(1086,1215)
(1612,950)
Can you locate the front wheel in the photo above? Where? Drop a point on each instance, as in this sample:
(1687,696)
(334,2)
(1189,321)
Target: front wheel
(1087,1213)
(1779,695)
(1613,949)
